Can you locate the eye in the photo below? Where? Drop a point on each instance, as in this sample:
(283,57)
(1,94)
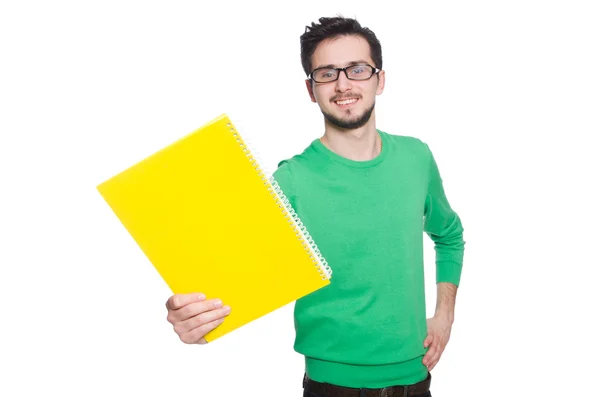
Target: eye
(326,74)
(359,69)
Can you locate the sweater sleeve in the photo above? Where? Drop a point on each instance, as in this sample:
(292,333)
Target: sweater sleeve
(444,227)
(284,179)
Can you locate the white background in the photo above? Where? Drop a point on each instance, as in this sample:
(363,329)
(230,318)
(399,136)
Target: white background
(507,95)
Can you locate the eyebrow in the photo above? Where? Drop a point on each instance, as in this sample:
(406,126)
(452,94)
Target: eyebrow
(359,62)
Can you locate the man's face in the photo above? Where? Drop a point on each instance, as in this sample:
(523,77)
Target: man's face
(345,103)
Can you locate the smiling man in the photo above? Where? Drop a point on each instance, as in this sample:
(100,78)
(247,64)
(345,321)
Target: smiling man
(348,103)
(367,197)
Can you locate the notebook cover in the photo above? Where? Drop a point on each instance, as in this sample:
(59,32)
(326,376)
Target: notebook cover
(210,221)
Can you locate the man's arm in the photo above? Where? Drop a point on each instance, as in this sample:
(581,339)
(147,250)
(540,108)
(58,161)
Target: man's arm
(443,225)
(440,325)
(445,229)
(446,298)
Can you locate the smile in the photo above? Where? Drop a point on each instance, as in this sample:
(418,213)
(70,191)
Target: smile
(346,101)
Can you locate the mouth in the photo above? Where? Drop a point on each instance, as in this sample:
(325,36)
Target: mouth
(346,102)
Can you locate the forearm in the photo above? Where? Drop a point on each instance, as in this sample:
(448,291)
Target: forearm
(444,227)
(446,299)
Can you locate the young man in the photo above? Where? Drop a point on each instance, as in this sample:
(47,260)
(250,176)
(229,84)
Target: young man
(367,197)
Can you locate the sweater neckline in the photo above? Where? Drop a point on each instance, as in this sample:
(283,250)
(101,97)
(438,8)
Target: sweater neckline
(321,148)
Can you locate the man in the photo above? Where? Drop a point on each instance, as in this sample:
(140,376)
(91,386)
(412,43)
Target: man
(366,197)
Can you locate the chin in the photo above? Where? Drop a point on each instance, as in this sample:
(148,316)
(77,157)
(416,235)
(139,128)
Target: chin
(349,123)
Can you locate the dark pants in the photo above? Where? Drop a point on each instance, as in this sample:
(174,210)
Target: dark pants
(316,389)
(309,394)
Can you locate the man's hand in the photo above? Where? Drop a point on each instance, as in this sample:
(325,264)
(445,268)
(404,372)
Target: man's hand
(193,316)
(438,335)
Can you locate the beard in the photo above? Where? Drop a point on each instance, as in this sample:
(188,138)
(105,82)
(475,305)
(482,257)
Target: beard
(350,124)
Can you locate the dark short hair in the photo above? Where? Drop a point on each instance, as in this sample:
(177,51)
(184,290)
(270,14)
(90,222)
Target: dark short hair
(329,28)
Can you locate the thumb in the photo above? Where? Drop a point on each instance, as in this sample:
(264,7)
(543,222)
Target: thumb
(428,340)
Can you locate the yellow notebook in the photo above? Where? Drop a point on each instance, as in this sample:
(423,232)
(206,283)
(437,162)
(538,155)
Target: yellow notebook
(210,220)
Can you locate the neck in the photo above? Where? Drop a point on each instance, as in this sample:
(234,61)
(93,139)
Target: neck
(359,144)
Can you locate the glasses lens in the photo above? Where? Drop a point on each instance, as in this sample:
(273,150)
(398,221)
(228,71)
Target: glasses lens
(325,75)
(359,72)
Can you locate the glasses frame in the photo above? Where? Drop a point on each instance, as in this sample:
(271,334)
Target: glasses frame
(374,70)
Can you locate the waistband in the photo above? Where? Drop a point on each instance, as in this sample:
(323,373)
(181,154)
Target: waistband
(329,390)
(368,376)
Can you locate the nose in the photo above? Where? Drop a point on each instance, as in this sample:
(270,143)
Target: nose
(342,84)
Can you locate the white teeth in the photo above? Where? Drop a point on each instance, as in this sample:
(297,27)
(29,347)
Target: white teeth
(345,102)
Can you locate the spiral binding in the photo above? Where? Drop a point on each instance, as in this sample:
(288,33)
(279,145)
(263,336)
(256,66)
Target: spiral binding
(286,208)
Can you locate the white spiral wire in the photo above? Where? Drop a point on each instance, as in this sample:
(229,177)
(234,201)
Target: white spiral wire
(284,204)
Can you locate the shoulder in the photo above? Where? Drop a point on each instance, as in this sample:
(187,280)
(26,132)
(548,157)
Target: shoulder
(407,140)
(408,144)
(298,163)
(285,167)
(290,171)
(283,170)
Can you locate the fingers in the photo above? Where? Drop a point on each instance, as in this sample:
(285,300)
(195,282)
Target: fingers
(193,316)
(428,340)
(201,319)
(428,343)
(197,334)
(433,363)
(193,309)
(433,356)
(178,301)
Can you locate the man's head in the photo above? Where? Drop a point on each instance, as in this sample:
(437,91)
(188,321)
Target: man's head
(346,97)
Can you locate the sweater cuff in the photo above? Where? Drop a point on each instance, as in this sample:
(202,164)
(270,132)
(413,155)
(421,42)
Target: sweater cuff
(448,272)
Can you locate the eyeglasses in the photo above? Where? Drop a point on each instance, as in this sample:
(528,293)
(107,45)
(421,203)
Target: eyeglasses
(354,72)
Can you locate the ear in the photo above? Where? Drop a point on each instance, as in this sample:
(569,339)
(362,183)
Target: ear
(309,87)
(380,82)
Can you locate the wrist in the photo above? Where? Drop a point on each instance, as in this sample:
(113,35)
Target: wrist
(445,316)
(446,297)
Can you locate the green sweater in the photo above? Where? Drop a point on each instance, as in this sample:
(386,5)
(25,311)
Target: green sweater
(367,327)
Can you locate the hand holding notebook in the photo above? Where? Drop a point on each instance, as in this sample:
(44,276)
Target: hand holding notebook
(210,221)
(193,316)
